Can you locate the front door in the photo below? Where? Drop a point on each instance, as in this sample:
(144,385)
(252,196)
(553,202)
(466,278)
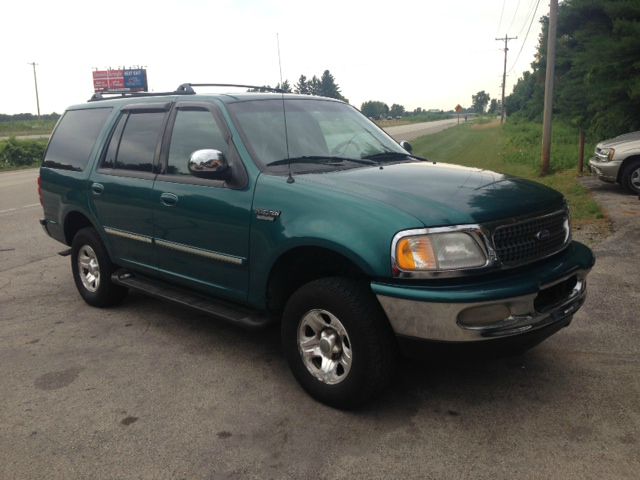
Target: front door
(121,188)
(201,226)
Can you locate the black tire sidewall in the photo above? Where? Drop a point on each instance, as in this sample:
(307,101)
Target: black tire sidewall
(626,177)
(107,293)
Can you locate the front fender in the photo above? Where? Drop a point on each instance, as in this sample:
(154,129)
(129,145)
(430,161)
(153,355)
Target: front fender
(312,216)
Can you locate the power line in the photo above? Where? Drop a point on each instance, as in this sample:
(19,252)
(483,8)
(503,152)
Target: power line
(526,36)
(514,15)
(530,11)
(501,13)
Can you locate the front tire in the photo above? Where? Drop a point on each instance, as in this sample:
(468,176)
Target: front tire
(92,269)
(338,342)
(631,177)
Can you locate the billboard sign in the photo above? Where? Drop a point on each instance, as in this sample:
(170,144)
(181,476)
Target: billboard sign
(135,80)
(129,80)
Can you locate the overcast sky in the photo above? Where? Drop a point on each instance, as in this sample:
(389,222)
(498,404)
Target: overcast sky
(416,53)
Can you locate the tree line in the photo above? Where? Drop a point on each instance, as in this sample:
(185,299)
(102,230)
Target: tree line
(324,86)
(597,85)
(27,117)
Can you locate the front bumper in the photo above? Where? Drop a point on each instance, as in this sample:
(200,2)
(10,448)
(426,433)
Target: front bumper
(605,171)
(535,298)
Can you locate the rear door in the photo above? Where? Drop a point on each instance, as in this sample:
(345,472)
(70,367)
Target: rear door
(202,226)
(121,188)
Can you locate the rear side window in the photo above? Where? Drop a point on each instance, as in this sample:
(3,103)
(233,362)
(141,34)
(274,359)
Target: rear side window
(139,141)
(74,138)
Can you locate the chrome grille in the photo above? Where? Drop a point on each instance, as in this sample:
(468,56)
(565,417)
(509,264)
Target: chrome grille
(523,242)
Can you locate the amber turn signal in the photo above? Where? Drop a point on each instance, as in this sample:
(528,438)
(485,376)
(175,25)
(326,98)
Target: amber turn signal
(416,253)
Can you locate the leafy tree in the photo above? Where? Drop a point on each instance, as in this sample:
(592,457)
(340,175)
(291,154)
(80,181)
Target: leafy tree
(597,68)
(396,110)
(417,111)
(494,106)
(302,86)
(374,109)
(479,101)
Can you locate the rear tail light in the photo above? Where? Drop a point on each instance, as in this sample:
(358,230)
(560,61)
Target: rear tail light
(40,190)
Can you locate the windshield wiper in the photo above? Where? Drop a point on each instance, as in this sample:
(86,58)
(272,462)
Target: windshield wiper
(392,155)
(322,159)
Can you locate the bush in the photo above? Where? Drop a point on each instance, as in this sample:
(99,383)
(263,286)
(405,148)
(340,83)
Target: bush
(21,153)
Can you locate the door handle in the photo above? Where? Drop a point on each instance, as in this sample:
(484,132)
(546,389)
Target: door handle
(168,199)
(97,188)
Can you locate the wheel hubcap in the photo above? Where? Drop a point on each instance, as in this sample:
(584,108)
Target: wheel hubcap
(89,268)
(324,346)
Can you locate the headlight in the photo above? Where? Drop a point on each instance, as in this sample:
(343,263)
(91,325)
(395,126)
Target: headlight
(438,251)
(605,154)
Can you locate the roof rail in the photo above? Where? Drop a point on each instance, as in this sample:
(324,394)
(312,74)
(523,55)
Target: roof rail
(188,87)
(125,94)
(184,89)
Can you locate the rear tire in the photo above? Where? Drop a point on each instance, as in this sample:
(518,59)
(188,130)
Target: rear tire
(92,269)
(351,352)
(631,177)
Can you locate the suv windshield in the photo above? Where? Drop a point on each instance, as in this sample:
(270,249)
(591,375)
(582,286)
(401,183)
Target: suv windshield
(323,135)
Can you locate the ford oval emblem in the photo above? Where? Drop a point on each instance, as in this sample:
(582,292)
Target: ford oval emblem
(543,234)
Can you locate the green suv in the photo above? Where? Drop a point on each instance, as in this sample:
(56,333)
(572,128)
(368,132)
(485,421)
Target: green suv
(261,207)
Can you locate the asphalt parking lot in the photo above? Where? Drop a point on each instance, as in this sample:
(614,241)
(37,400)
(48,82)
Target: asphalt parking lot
(152,391)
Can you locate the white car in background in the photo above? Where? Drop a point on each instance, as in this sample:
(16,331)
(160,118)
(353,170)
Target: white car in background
(618,160)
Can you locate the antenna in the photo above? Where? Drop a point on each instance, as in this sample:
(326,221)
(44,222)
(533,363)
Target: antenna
(284,112)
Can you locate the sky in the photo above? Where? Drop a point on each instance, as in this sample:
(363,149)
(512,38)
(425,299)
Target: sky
(424,53)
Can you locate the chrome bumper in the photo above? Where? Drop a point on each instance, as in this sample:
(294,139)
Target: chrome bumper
(605,171)
(464,322)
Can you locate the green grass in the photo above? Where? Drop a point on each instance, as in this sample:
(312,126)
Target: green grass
(514,149)
(26,127)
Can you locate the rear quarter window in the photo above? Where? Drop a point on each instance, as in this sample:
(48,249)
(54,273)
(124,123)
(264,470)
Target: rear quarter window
(74,138)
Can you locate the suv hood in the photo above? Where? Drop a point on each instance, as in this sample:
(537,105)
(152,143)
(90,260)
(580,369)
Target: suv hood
(442,194)
(627,137)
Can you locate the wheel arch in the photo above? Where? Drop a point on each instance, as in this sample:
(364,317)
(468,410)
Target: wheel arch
(74,221)
(303,264)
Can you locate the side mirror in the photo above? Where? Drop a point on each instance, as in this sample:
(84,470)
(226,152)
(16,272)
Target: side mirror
(406,145)
(209,163)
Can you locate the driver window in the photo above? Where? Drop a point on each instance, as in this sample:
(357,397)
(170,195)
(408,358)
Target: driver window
(193,130)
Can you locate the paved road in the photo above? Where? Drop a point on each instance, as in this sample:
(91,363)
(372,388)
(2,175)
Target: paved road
(414,130)
(27,137)
(152,391)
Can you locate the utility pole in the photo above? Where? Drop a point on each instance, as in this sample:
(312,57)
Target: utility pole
(548,87)
(504,72)
(35,81)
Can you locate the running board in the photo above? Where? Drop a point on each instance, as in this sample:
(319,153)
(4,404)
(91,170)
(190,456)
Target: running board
(226,311)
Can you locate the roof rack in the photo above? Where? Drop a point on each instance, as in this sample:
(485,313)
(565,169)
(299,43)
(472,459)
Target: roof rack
(188,87)
(184,89)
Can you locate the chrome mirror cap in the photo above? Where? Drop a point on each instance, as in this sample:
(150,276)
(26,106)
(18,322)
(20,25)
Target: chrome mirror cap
(208,163)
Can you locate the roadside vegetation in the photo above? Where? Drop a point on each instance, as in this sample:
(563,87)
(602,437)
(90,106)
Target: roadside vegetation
(514,149)
(15,154)
(597,69)
(27,124)
(414,118)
